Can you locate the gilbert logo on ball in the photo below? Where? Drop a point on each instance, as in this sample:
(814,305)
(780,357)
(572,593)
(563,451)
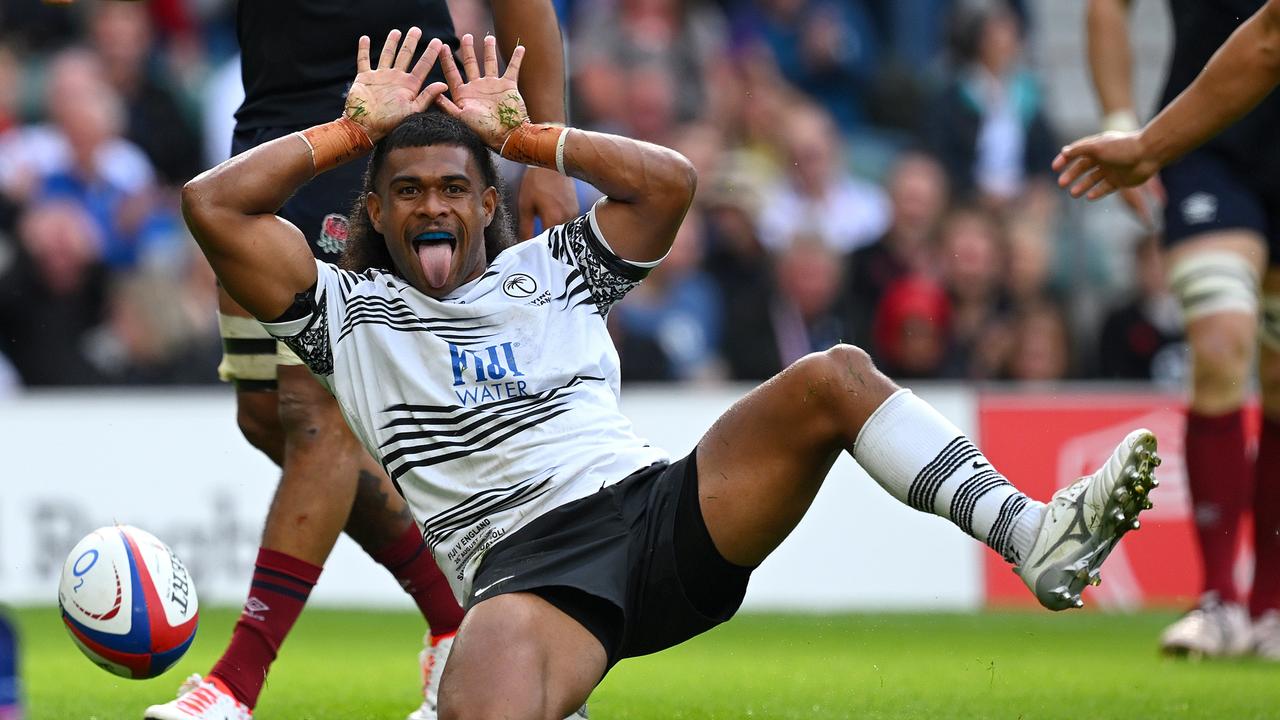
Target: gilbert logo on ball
(128,602)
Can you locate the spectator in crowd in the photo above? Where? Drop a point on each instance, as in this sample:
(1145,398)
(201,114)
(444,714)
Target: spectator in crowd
(825,48)
(735,258)
(973,267)
(801,313)
(668,328)
(609,37)
(1142,338)
(10,88)
(156,120)
(81,157)
(912,324)
(159,329)
(52,296)
(1039,348)
(819,196)
(917,188)
(988,125)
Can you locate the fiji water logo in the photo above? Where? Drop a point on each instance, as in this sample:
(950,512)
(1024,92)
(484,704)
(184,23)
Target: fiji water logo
(486,374)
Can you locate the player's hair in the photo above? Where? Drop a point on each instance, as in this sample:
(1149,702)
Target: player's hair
(365,246)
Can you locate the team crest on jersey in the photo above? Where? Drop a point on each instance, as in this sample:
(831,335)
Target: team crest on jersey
(333,233)
(519,286)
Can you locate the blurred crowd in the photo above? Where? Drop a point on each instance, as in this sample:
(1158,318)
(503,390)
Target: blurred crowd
(871,171)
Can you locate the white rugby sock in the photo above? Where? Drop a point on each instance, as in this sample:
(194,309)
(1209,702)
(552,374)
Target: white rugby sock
(922,459)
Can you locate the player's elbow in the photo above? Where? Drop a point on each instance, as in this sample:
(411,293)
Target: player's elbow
(195,200)
(200,204)
(680,181)
(1269,25)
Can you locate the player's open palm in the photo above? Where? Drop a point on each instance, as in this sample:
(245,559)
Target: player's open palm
(489,103)
(1101,164)
(381,97)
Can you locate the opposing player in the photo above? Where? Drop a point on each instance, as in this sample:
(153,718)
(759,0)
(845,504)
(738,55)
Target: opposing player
(296,65)
(488,388)
(1222,225)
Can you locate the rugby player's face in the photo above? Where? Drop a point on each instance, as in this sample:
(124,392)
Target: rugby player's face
(431,205)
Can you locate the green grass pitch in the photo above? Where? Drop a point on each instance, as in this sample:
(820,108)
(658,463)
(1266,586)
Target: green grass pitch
(353,665)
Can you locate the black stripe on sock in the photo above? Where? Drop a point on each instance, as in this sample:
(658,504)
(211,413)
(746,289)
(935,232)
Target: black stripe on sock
(279,590)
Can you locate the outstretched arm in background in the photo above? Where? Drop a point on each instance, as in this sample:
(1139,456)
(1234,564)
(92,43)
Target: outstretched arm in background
(1243,72)
(1111,69)
(647,188)
(262,260)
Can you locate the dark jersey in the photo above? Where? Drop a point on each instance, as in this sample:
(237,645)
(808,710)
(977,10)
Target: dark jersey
(299,56)
(1200,28)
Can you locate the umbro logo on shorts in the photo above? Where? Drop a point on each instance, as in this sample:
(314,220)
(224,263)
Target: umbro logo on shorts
(1199,208)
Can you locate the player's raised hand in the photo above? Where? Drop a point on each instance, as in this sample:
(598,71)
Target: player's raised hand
(1101,164)
(488,103)
(382,96)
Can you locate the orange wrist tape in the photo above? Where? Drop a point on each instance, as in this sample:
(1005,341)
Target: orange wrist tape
(533,144)
(334,143)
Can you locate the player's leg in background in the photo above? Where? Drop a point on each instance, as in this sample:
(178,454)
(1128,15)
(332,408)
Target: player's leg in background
(1264,599)
(761,464)
(1215,276)
(519,657)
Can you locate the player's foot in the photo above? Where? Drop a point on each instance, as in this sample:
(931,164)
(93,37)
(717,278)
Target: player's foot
(1211,629)
(431,660)
(1084,521)
(1266,636)
(201,699)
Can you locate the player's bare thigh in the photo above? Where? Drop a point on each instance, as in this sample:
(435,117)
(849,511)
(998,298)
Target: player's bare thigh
(762,462)
(1222,343)
(517,656)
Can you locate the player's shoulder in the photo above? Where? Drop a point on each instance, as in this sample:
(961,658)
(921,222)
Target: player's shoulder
(357,283)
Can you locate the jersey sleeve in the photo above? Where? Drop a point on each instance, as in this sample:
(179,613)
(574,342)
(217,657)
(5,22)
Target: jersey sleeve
(304,327)
(580,244)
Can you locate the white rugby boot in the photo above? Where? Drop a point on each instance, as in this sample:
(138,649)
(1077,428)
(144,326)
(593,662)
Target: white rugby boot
(1084,521)
(1212,629)
(1266,636)
(431,660)
(200,699)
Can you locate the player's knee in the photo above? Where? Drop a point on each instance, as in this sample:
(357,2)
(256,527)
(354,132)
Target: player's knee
(824,373)
(260,425)
(1222,355)
(303,417)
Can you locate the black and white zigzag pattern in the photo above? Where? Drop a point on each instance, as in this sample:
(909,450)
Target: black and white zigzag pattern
(435,434)
(312,344)
(602,274)
(481,505)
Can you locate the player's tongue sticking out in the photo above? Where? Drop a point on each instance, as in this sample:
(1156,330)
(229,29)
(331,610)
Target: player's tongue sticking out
(435,254)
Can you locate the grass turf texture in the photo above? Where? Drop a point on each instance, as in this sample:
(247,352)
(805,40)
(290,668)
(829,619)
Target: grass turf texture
(1034,666)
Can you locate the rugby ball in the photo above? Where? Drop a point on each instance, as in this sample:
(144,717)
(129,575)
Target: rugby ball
(128,602)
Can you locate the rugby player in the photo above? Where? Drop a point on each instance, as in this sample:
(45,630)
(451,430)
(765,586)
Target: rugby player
(1222,227)
(296,65)
(487,386)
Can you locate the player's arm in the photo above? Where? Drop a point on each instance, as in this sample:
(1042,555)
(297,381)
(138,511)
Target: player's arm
(262,260)
(647,188)
(544,194)
(1111,62)
(1243,72)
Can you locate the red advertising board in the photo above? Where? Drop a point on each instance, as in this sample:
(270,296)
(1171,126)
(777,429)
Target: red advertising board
(1045,441)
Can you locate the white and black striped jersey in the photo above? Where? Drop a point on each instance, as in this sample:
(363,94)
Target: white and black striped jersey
(492,405)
